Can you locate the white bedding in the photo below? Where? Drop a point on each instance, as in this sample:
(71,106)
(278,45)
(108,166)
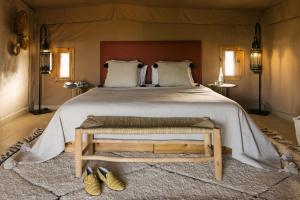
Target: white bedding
(248,143)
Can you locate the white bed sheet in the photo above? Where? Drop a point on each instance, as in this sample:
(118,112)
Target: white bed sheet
(248,143)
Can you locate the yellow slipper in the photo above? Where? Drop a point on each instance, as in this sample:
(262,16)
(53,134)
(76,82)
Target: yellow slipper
(109,179)
(91,183)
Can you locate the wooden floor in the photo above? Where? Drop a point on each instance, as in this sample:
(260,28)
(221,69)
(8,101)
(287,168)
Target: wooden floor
(284,127)
(20,127)
(15,130)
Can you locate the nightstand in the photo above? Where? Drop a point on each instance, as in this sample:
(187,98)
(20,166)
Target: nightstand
(222,88)
(77,87)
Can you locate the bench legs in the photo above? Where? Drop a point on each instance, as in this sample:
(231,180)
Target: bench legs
(218,154)
(91,146)
(207,145)
(78,153)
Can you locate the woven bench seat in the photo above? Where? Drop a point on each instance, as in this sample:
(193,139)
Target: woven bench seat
(147,125)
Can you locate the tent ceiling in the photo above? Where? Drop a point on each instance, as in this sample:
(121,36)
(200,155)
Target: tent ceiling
(209,4)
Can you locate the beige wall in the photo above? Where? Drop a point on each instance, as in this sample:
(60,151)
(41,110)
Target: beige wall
(215,29)
(68,28)
(282,58)
(14,70)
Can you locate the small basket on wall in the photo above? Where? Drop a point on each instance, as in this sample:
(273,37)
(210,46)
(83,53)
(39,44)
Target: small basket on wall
(20,24)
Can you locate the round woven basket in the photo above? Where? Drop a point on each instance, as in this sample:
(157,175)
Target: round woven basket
(20,22)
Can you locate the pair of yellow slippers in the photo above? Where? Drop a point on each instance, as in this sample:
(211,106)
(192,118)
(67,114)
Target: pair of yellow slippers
(92,184)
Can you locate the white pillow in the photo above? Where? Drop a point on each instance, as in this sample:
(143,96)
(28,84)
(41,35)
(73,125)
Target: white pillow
(122,73)
(171,73)
(154,75)
(141,71)
(142,75)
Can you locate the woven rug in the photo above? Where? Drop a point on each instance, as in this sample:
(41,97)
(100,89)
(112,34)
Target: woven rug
(16,147)
(283,146)
(55,179)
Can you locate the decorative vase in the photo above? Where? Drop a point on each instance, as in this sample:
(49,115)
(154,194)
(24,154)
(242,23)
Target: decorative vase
(221,77)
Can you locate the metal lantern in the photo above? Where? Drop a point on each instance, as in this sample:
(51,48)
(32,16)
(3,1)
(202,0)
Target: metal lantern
(256,54)
(45,59)
(256,67)
(44,67)
(256,60)
(45,53)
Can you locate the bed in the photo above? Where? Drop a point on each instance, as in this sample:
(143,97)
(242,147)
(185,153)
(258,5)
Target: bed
(248,143)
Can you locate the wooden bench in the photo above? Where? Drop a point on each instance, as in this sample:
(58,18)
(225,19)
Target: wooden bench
(143,126)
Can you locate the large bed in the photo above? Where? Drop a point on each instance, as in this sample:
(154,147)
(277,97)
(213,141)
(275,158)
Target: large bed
(239,133)
(248,143)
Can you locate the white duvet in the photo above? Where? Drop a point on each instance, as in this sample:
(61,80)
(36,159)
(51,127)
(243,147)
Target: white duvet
(248,143)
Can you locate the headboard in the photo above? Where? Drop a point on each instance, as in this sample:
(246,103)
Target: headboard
(149,52)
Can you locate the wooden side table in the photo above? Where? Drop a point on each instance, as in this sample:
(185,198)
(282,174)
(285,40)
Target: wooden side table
(222,88)
(77,89)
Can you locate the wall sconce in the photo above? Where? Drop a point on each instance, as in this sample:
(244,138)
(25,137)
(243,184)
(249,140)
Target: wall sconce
(256,67)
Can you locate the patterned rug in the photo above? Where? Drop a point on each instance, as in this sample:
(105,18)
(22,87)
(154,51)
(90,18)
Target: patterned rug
(17,146)
(55,179)
(283,146)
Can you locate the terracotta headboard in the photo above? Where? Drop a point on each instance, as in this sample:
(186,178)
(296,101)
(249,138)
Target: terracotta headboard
(149,52)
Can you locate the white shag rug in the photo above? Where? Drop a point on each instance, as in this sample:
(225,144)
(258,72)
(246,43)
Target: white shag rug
(55,179)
